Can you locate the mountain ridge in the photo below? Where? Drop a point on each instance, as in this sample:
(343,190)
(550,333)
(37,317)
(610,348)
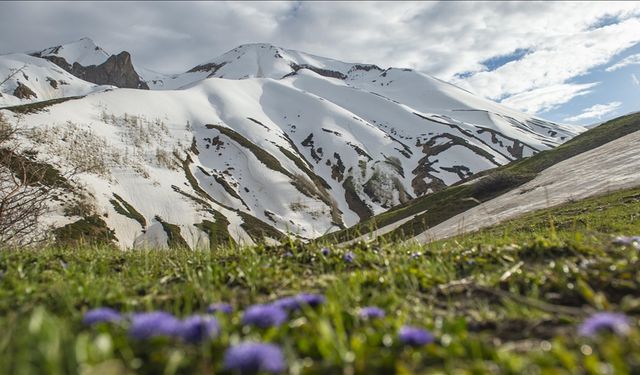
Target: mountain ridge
(266,140)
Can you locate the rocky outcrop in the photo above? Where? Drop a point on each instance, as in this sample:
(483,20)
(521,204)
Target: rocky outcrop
(116,71)
(320,71)
(212,68)
(24,92)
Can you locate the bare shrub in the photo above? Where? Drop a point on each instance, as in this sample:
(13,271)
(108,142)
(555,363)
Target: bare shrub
(27,187)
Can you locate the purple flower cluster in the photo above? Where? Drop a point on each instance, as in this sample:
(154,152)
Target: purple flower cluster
(415,336)
(296,302)
(371,312)
(196,329)
(276,312)
(325,251)
(349,257)
(264,316)
(101,315)
(253,357)
(151,324)
(143,326)
(220,307)
(605,321)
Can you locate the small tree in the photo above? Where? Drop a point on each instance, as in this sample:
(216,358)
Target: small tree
(26,189)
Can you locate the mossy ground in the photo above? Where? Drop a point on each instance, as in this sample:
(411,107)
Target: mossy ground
(505,300)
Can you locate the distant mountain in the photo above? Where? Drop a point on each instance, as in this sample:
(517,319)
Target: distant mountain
(85,60)
(598,161)
(260,141)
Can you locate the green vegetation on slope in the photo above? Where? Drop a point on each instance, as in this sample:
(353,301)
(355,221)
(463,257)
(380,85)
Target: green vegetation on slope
(90,230)
(174,238)
(32,170)
(266,158)
(504,300)
(258,229)
(39,106)
(435,208)
(125,208)
(217,231)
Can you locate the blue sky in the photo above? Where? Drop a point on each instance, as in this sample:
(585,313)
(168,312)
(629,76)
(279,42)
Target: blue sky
(617,86)
(544,58)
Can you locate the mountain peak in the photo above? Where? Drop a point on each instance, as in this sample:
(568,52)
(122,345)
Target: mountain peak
(83,51)
(265,60)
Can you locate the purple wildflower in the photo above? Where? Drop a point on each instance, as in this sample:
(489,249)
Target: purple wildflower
(220,307)
(415,255)
(372,312)
(286,303)
(253,357)
(289,254)
(312,300)
(100,315)
(348,257)
(151,324)
(293,303)
(197,328)
(325,251)
(605,321)
(264,316)
(414,336)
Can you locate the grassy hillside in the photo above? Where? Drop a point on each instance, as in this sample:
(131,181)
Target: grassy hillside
(458,198)
(508,299)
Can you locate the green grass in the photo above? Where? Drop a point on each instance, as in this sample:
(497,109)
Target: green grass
(458,198)
(39,106)
(507,300)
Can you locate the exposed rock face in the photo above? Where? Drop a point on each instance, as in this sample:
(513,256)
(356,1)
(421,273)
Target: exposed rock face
(117,71)
(24,92)
(212,68)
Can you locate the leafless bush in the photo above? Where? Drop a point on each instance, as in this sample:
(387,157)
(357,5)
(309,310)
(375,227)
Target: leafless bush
(27,187)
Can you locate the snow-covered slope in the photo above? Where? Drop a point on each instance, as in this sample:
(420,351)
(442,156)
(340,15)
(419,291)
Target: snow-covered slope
(31,79)
(613,166)
(84,52)
(277,140)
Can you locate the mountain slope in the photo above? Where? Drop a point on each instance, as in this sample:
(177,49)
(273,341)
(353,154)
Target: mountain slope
(83,51)
(610,167)
(27,79)
(410,219)
(264,140)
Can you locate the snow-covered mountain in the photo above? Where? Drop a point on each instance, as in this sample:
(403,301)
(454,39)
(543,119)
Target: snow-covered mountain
(262,140)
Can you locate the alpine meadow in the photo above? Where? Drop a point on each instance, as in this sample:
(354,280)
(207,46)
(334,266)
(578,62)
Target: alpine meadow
(192,188)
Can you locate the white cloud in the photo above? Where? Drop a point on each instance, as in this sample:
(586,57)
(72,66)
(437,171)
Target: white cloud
(547,98)
(629,60)
(557,60)
(596,111)
(635,79)
(438,38)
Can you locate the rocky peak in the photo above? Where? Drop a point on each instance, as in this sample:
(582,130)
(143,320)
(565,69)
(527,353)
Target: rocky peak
(85,60)
(117,71)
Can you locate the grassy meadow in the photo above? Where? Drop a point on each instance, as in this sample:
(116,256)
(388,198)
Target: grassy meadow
(509,299)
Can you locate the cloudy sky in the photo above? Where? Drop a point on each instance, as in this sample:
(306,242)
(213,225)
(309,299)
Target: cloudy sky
(570,62)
